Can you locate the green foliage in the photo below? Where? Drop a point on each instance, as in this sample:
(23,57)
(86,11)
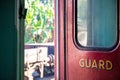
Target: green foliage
(39,24)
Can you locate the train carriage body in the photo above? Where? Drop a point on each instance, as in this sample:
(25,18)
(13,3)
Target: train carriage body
(90,44)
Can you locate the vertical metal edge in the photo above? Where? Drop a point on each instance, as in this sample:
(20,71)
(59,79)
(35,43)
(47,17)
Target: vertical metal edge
(19,24)
(57,40)
(21,43)
(17,28)
(65,76)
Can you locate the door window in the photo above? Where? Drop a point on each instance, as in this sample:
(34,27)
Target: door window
(96,24)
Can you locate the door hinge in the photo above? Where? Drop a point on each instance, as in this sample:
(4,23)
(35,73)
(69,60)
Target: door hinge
(22,12)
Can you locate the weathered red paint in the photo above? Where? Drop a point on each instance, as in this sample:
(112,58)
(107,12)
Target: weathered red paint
(61,39)
(73,54)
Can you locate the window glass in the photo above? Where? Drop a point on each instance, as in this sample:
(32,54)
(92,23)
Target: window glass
(96,23)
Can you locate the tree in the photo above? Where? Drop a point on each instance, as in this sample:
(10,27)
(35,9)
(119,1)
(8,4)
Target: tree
(39,24)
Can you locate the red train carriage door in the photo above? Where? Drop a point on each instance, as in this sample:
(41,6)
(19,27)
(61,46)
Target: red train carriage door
(91,45)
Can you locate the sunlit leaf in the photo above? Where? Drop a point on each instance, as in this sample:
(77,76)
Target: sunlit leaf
(39,17)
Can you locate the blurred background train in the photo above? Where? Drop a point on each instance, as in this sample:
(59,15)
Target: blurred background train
(59,40)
